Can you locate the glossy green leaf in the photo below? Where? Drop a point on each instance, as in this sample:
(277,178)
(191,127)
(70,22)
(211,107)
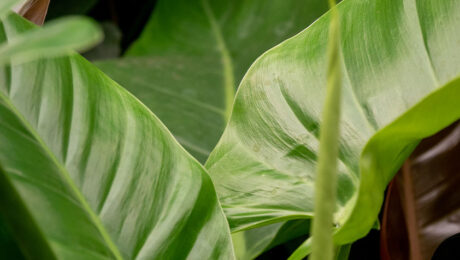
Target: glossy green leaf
(56,38)
(193,53)
(88,172)
(400,66)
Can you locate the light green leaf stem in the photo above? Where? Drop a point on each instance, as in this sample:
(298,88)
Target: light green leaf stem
(326,173)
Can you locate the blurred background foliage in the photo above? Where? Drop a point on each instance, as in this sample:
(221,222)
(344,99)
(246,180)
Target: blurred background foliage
(122,21)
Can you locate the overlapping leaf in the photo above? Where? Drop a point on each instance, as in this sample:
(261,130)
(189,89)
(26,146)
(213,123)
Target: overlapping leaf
(193,53)
(86,171)
(401,66)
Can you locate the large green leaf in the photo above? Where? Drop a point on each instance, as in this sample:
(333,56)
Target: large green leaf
(193,53)
(88,172)
(400,69)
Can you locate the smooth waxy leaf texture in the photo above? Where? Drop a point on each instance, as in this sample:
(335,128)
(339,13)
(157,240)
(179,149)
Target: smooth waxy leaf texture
(193,53)
(400,69)
(88,172)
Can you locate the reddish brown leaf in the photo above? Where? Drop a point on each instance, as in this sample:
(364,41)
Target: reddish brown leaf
(35,10)
(422,206)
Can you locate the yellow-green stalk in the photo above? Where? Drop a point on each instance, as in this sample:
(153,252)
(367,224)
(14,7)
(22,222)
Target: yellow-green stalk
(326,175)
(320,244)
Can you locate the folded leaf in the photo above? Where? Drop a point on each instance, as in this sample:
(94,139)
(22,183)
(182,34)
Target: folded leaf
(88,172)
(193,53)
(401,66)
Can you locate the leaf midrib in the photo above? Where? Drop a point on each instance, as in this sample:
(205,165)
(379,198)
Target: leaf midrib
(65,174)
(227,63)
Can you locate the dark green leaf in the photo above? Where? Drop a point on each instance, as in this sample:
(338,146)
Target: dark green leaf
(8,247)
(193,53)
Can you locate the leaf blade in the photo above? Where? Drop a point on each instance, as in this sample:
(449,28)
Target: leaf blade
(201,59)
(149,194)
(273,132)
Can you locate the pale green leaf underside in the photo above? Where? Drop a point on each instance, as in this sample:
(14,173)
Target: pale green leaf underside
(193,53)
(398,57)
(91,173)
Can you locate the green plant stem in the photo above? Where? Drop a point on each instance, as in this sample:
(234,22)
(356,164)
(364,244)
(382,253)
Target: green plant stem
(326,177)
(320,244)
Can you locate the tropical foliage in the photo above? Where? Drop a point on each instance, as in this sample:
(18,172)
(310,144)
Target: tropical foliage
(88,170)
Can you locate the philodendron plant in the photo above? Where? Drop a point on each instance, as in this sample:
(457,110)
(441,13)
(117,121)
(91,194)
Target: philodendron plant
(87,171)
